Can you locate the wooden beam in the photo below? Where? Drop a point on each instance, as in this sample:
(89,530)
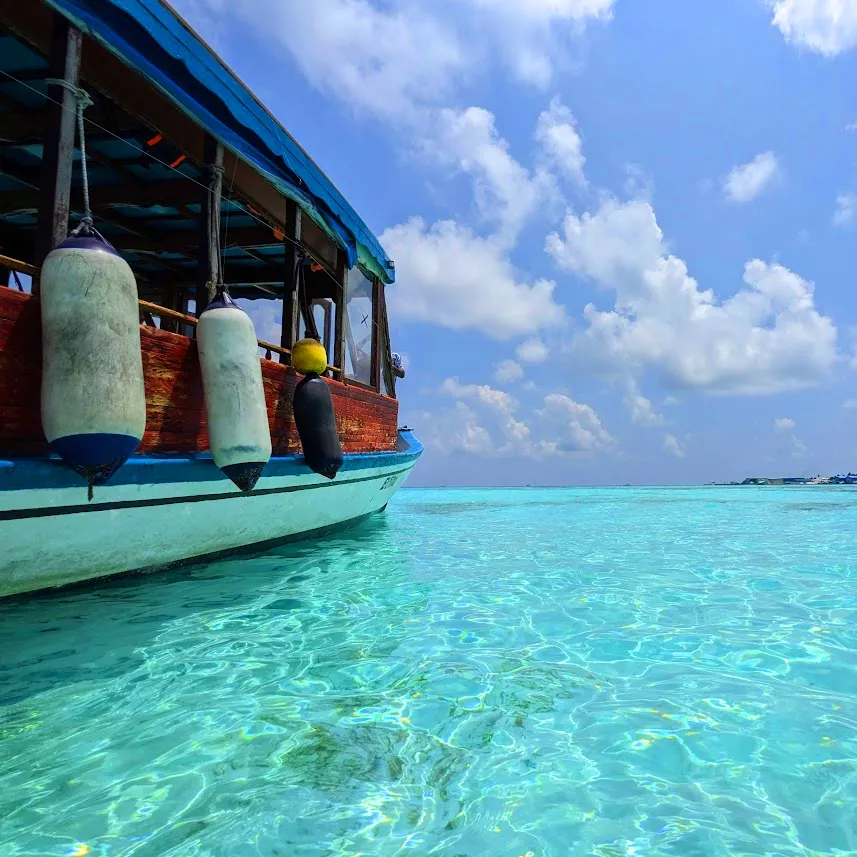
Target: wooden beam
(58,157)
(102,71)
(387,352)
(22,128)
(144,195)
(268,279)
(341,310)
(291,307)
(377,289)
(10,264)
(209,265)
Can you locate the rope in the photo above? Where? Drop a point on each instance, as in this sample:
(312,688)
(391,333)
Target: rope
(214,172)
(83,101)
(303,298)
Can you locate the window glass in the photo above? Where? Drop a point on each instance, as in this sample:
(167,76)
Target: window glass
(358,327)
(324,313)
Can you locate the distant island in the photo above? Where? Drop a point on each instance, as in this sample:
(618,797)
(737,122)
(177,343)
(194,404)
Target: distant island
(847,479)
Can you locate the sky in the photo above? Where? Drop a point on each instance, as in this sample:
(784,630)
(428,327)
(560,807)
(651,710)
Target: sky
(624,231)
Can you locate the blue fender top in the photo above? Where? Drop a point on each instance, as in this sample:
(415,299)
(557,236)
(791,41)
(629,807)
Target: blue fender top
(149,36)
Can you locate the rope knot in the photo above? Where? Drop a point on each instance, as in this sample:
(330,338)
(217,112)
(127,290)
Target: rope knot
(83,101)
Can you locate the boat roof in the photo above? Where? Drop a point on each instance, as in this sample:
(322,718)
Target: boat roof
(150,37)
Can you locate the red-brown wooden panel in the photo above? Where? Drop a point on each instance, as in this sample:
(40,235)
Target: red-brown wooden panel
(175,414)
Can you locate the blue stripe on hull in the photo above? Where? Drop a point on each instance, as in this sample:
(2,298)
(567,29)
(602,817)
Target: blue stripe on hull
(34,473)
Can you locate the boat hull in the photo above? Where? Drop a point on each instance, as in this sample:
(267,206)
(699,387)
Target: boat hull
(159,512)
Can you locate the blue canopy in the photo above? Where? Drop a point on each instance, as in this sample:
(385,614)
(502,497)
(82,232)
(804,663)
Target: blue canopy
(149,36)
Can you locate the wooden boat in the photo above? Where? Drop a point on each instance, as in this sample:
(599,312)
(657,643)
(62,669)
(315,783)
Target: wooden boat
(174,142)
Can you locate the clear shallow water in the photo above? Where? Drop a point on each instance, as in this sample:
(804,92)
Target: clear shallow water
(544,672)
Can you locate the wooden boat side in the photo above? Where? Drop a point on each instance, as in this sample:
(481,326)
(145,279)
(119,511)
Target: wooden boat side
(175,413)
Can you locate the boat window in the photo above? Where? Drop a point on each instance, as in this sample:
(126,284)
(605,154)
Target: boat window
(359,336)
(324,312)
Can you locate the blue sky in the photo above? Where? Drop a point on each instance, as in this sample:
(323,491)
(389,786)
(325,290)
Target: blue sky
(624,231)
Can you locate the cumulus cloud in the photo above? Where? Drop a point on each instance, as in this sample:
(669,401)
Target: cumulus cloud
(640,409)
(556,131)
(744,183)
(267,318)
(459,432)
(581,428)
(532,351)
(394,58)
(532,34)
(768,337)
(844,213)
(674,446)
(508,370)
(786,426)
(448,275)
(500,403)
(562,427)
(827,27)
(506,193)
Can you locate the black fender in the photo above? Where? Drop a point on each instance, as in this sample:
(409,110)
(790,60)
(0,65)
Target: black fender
(315,420)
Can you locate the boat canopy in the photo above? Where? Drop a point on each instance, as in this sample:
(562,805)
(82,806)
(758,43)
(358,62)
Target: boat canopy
(149,36)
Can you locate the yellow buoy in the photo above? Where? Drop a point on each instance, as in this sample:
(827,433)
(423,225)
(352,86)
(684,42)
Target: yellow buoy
(309,357)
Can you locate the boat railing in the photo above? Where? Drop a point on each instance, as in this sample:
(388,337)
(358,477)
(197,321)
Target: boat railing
(150,311)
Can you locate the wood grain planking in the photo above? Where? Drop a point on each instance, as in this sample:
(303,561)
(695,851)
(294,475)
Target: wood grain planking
(175,412)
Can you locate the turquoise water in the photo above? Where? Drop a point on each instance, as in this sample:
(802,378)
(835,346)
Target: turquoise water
(529,672)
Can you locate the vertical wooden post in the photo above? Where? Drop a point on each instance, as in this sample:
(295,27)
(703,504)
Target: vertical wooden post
(58,153)
(377,291)
(208,268)
(291,307)
(341,310)
(387,349)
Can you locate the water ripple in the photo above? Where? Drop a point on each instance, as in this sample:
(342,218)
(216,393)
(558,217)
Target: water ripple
(541,672)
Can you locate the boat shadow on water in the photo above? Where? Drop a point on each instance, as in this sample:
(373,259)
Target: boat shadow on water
(99,630)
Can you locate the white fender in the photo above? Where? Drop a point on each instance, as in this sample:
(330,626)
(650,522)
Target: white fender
(235,407)
(93,395)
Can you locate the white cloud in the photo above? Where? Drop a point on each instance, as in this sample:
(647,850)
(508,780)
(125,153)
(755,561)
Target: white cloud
(638,183)
(508,370)
(786,426)
(766,338)
(556,131)
(844,213)
(581,429)
(447,275)
(549,10)
(827,27)
(640,408)
(506,193)
(391,59)
(744,183)
(267,318)
(533,34)
(850,404)
(394,58)
(532,351)
(674,446)
(501,403)
(562,427)
(459,431)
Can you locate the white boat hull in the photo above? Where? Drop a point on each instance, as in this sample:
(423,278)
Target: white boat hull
(156,513)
